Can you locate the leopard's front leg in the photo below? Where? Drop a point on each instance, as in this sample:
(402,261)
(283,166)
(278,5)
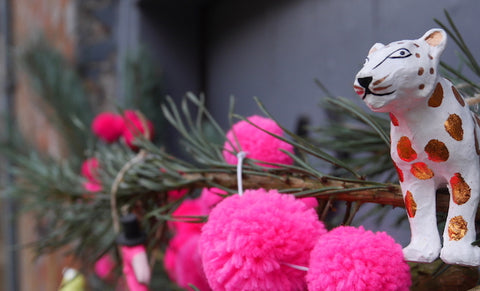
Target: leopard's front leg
(459,230)
(425,243)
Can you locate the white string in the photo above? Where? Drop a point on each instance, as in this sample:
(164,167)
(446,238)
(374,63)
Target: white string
(240,157)
(301,268)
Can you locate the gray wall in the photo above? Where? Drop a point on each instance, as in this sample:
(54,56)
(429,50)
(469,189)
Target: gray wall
(275,49)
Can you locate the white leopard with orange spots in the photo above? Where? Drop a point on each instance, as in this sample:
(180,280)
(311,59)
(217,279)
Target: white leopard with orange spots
(433,143)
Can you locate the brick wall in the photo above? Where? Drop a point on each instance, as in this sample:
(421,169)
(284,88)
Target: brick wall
(83,31)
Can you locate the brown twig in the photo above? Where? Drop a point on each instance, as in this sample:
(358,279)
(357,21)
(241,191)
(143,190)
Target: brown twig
(119,177)
(360,192)
(473,100)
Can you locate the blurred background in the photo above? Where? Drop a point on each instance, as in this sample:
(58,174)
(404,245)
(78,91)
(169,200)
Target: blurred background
(272,49)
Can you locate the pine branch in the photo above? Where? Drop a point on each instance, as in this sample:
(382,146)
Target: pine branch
(61,92)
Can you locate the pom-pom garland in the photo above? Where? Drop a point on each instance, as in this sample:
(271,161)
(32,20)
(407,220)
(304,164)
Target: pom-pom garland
(108,126)
(349,258)
(249,241)
(258,144)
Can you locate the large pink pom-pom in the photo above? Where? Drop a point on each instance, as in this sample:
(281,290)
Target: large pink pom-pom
(108,126)
(258,144)
(349,258)
(135,127)
(249,241)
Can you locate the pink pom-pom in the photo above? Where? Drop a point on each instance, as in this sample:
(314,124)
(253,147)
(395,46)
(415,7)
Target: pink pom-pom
(104,266)
(108,126)
(258,144)
(209,198)
(183,263)
(90,172)
(92,186)
(135,127)
(190,207)
(349,258)
(309,201)
(177,193)
(250,240)
(90,169)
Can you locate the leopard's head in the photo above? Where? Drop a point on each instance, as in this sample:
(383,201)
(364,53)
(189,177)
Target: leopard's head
(397,75)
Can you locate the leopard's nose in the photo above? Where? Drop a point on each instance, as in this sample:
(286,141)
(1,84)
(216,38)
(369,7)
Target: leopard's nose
(365,81)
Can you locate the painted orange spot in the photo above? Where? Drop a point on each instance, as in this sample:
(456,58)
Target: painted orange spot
(430,57)
(437,96)
(457,228)
(460,189)
(421,171)
(380,80)
(437,151)
(453,126)
(432,70)
(399,172)
(417,55)
(420,71)
(410,205)
(458,96)
(416,45)
(405,150)
(421,86)
(382,88)
(394,119)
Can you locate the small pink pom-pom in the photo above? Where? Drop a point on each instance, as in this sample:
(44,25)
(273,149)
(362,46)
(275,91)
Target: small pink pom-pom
(90,169)
(349,258)
(104,266)
(249,241)
(90,172)
(189,207)
(258,144)
(135,127)
(309,201)
(183,263)
(177,193)
(209,198)
(92,186)
(108,126)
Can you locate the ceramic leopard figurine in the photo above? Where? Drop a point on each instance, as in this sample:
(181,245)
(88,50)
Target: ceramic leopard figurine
(434,143)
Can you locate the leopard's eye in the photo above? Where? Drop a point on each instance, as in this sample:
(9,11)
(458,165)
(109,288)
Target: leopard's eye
(400,53)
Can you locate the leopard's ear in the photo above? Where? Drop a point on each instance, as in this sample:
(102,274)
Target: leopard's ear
(375,47)
(436,39)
